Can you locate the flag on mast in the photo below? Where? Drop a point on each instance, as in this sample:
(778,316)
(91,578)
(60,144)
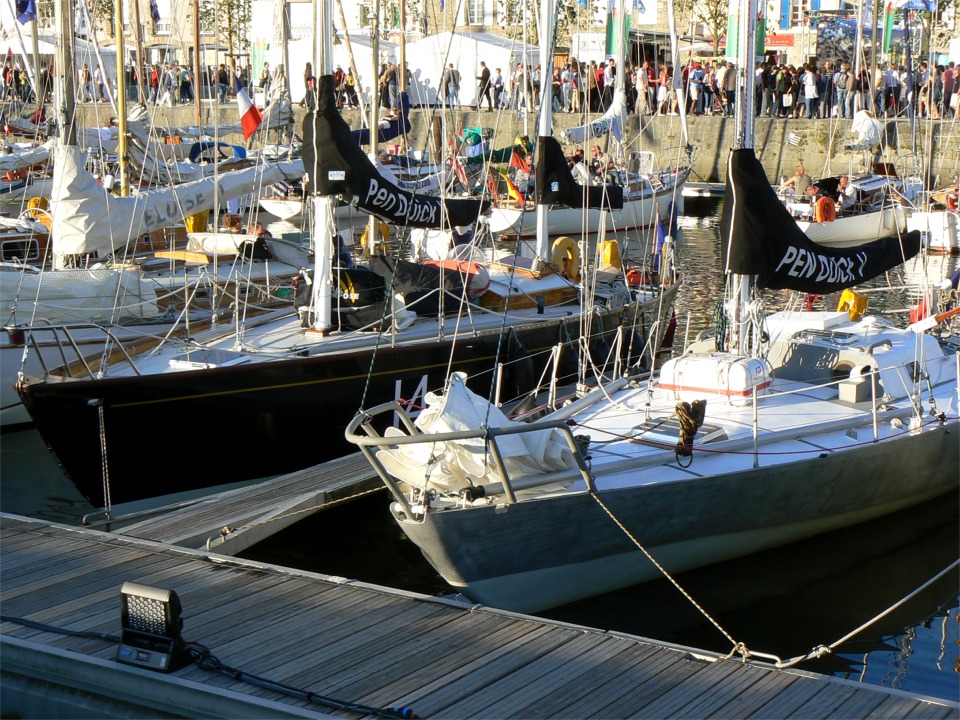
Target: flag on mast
(26,11)
(250,117)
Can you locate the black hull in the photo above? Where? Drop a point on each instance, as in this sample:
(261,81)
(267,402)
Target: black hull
(189,430)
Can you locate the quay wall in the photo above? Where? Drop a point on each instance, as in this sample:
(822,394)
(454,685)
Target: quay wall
(820,145)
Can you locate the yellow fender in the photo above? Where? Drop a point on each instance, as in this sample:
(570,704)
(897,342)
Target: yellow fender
(37,209)
(383,238)
(565,255)
(854,303)
(610,254)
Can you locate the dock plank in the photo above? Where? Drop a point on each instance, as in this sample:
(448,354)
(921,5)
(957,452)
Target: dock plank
(371,645)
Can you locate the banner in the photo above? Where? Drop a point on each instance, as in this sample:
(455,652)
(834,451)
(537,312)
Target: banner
(764,240)
(555,183)
(336,165)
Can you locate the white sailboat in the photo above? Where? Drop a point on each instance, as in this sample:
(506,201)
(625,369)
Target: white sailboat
(649,193)
(787,426)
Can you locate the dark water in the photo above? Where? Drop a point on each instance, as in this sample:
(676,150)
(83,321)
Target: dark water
(782,602)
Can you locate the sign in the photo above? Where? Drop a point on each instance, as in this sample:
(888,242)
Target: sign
(779,41)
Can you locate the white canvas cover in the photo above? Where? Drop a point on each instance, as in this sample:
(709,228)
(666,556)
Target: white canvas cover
(63,296)
(465,462)
(26,155)
(87,219)
(610,122)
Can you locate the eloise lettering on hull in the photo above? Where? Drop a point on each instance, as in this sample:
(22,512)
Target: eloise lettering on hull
(160,215)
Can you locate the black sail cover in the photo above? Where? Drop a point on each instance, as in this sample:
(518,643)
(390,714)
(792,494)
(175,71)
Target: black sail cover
(764,240)
(336,165)
(555,183)
(400,125)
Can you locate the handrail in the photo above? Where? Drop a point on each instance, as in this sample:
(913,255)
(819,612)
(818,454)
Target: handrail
(507,486)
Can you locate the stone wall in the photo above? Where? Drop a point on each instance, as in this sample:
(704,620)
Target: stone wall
(819,144)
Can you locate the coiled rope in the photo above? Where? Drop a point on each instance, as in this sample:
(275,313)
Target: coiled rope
(690,416)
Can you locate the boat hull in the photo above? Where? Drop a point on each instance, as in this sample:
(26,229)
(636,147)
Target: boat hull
(584,553)
(176,431)
(641,212)
(853,230)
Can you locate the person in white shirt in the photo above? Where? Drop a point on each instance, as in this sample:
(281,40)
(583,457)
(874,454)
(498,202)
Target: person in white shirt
(847,194)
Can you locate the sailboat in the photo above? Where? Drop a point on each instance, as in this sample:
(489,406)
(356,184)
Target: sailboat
(784,426)
(274,394)
(649,193)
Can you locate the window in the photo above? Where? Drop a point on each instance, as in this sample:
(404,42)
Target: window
(798,10)
(475,12)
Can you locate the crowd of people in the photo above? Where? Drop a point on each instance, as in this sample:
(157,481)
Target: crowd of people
(814,90)
(709,88)
(827,90)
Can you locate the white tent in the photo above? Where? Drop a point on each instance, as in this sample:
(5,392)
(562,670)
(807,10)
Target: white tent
(428,56)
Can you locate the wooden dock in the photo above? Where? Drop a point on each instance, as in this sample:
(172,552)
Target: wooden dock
(357,643)
(232,521)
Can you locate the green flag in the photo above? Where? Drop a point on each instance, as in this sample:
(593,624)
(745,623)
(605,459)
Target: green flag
(887,28)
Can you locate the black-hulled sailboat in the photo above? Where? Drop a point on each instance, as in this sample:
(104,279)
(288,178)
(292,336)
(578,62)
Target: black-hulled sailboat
(274,394)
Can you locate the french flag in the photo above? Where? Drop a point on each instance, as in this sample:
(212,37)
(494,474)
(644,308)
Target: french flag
(250,117)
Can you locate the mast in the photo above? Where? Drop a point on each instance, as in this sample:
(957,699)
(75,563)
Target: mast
(741,285)
(65,94)
(677,74)
(353,62)
(197,80)
(374,117)
(323,230)
(544,128)
(122,150)
(138,37)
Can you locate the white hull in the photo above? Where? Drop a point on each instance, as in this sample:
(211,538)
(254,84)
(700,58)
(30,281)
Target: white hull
(282,208)
(941,230)
(637,212)
(853,230)
(821,459)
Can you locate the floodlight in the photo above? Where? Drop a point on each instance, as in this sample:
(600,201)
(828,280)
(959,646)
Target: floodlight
(151,625)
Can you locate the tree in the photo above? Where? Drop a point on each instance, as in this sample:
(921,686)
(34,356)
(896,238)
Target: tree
(229,21)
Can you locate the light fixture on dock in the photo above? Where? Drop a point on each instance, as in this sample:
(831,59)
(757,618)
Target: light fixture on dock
(151,625)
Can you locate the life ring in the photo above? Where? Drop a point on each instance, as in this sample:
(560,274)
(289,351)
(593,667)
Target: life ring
(566,257)
(826,210)
(383,238)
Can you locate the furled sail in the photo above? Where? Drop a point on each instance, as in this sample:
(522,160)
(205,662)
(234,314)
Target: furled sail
(763,239)
(555,183)
(610,122)
(390,128)
(88,219)
(336,165)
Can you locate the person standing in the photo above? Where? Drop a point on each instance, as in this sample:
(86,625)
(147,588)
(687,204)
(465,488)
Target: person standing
(827,94)
(730,87)
(265,83)
(86,90)
(949,87)
(609,80)
(223,79)
(309,88)
(840,82)
(98,84)
(809,90)
(566,89)
(483,90)
(497,89)
(643,88)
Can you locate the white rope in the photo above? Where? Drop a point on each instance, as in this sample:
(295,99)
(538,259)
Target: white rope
(822,650)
